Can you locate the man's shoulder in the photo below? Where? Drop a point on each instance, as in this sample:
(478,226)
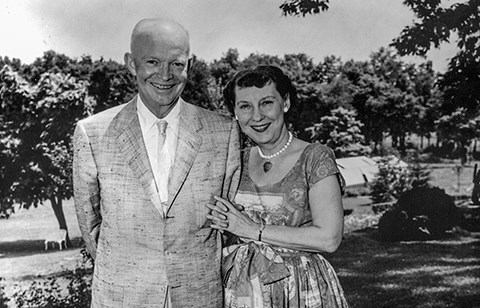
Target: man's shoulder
(210,115)
(105,116)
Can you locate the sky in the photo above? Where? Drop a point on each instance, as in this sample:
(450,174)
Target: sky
(350,29)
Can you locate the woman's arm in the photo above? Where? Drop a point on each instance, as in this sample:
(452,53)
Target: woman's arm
(324,235)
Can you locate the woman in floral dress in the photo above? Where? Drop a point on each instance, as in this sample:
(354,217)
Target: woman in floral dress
(288,209)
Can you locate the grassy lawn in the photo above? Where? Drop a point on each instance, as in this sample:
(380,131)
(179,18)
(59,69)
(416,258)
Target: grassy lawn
(22,252)
(444,273)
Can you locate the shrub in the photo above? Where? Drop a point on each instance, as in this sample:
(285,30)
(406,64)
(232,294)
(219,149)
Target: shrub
(49,293)
(469,219)
(359,221)
(421,213)
(394,178)
(391,180)
(3,298)
(379,208)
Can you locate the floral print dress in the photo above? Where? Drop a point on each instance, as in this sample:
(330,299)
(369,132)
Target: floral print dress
(260,275)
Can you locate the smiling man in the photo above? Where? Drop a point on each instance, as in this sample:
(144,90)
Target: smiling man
(143,172)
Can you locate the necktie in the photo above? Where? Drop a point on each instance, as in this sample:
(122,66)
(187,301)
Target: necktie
(163,164)
(162,133)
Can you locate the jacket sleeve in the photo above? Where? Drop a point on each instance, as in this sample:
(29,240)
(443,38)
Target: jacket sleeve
(86,189)
(233,167)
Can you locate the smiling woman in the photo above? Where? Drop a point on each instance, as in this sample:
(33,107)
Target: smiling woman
(290,200)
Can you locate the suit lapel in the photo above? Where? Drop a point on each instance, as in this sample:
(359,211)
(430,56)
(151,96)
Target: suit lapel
(188,145)
(131,144)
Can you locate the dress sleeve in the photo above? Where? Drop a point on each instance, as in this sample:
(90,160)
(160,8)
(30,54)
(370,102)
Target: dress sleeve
(320,164)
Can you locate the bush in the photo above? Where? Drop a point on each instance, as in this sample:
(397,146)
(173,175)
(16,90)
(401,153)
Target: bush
(391,180)
(394,178)
(421,213)
(379,208)
(359,221)
(3,298)
(469,220)
(49,293)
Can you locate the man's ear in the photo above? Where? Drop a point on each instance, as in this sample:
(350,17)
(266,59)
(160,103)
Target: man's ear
(190,62)
(129,63)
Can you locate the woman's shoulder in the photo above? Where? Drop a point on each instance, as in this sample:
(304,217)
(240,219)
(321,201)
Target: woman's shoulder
(318,151)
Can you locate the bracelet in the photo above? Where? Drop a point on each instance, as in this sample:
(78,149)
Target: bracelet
(262,227)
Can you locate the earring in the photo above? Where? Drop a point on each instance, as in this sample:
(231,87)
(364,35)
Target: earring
(285,109)
(236,118)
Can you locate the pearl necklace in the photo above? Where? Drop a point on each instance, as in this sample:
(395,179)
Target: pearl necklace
(268,165)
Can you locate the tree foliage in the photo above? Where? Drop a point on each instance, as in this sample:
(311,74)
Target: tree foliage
(340,131)
(345,105)
(458,128)
(303,7)
(39,122)
(435,25)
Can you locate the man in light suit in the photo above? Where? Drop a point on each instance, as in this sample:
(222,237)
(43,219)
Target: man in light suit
(140,191)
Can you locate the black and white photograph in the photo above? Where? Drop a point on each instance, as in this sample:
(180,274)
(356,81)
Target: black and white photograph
(240,153)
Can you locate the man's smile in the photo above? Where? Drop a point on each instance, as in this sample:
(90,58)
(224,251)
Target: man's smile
(162,86)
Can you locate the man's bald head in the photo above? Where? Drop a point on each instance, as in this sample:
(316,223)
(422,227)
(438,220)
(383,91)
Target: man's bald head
(162,30)
(159,60)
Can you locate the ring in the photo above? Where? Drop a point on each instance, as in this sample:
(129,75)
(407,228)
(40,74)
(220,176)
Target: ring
(228,224)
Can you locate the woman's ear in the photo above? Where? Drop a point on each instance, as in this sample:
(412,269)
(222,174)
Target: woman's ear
(286,103)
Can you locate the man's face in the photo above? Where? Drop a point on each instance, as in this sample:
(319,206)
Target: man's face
(160,68)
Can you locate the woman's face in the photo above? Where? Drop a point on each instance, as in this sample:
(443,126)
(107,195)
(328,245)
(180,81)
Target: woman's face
(260,113)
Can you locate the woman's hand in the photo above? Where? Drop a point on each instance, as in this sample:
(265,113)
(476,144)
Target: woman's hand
(226,217)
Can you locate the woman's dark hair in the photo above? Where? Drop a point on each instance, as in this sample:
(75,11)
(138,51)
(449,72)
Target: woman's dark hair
(259,77)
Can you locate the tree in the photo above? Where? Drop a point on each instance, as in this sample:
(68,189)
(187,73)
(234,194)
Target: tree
(313,93)
(458,128)
(435,24)
(197,90)
(40,119)
(369,98)
(428,104)
(303,7)
(15,94)
(389,96)
(109,82)
(341,132)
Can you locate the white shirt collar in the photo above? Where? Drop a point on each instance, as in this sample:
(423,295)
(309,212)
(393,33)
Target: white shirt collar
(149,120)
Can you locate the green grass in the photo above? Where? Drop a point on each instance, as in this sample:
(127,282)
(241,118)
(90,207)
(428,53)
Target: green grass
(444,273)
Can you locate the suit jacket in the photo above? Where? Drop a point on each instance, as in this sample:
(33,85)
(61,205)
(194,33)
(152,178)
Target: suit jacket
(138,252)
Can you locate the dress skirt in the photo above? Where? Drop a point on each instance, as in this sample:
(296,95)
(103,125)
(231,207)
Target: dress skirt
(259,275)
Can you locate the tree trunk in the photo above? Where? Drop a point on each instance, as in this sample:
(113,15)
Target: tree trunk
(57,206)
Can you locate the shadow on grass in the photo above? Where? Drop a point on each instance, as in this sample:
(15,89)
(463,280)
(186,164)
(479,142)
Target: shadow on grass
(441,273)
(30,247)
